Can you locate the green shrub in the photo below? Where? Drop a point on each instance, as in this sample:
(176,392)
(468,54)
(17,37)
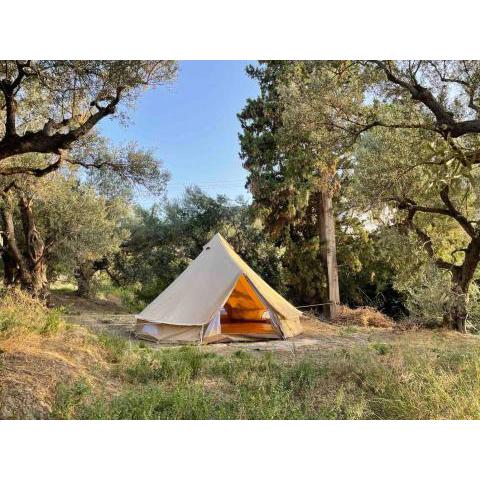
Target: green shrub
(68,398)
(179,364)
(53,322)
(128,296)
(153,402)
(115,346)
(300,377)
(381,348)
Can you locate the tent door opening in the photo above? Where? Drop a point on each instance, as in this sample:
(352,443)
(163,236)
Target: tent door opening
(245,314)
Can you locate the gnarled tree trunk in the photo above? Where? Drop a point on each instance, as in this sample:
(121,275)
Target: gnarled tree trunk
(10,267)
(35,250)
(457,314)
(462,277)
(29,267)
(11,250)
(84,274)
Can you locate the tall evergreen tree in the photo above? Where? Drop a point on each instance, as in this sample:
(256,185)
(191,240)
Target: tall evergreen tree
(293,170)
(270,182)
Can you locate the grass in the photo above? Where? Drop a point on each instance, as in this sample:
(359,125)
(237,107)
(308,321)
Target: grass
(21,314)
(381,348)
(127,296)
(60,286)
(349,330)
(409,375)
(104,290)
(377,381)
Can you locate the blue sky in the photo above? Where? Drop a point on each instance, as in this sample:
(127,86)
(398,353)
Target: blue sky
(192,126)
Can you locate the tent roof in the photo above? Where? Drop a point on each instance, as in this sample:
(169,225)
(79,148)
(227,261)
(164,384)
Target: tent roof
(204,287)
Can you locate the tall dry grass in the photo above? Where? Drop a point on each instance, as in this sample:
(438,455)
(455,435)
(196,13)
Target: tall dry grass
(363,317)
(21,314)
(378,381)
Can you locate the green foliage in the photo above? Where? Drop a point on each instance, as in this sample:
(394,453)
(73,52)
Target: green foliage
(381,348)
(82,222)
(75,224)
(59,95)
(118,171)
(153,403)
(115,346)
(149,365)
(130,296)
(75,237)
(300,378)
(164,241)
(278,183)
(53,322)
(68,397)
(363,127)
(402,164)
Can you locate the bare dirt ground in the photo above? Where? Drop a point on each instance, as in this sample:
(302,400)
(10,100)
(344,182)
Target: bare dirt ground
(99,315)
(109,316)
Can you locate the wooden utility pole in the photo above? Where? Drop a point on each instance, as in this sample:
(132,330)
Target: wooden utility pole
(326,225)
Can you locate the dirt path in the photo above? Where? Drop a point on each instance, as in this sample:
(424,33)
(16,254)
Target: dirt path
(317,336)
(97,314)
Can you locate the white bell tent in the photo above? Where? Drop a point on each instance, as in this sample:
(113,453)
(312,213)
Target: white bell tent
(218,298)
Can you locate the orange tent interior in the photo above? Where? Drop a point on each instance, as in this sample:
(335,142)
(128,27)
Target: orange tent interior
(244,313)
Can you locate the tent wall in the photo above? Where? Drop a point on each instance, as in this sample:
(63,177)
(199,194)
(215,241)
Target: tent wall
(291,326)
(161,332)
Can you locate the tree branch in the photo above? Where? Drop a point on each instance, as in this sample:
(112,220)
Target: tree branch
(411,206)
(378,123)
(468,88)
(450,211)
(9,89)
(37,172)
(446,123)
(427,243)
(41,142)
(454,213)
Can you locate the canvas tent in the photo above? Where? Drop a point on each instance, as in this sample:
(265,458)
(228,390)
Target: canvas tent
(218,298)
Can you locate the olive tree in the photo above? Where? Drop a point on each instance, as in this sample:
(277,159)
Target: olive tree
(427,161)
(48,105)
(48,112)
(68,211)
